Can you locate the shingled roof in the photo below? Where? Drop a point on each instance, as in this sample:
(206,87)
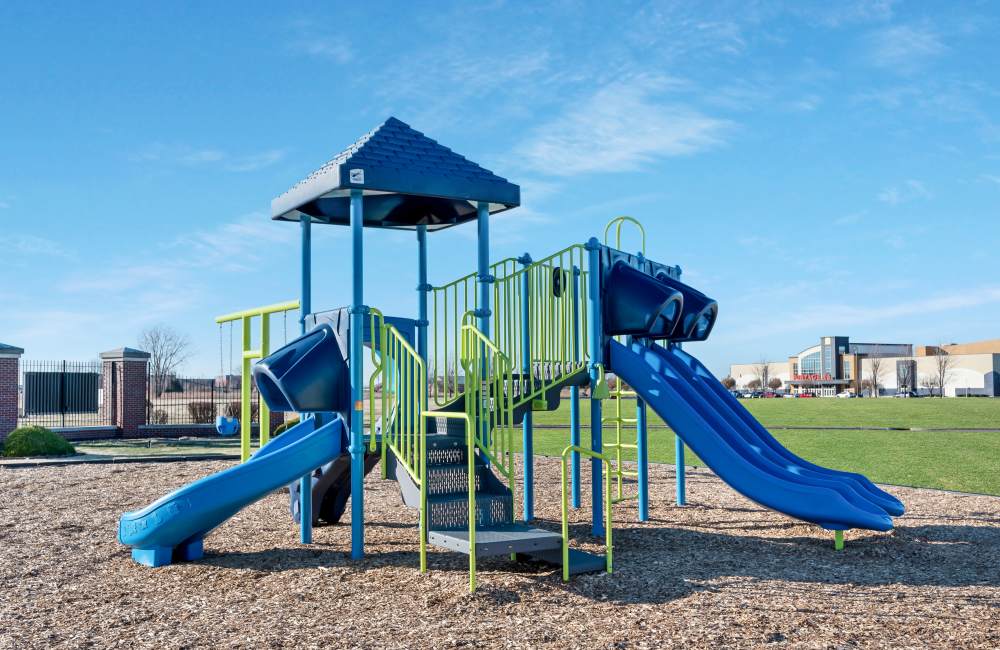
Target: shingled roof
(407,179)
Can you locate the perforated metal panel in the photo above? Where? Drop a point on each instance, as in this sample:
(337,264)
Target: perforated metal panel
(491,510)
(445,456)
(450,479)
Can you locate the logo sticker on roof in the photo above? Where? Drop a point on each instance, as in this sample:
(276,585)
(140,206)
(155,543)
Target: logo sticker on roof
(357,176)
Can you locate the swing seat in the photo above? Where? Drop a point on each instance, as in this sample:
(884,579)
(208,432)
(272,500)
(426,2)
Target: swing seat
(227,426)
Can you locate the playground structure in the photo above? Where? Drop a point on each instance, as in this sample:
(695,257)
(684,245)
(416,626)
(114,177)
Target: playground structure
(450,387)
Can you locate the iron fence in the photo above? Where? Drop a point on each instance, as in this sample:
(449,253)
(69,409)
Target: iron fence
(61,394)
(195,400)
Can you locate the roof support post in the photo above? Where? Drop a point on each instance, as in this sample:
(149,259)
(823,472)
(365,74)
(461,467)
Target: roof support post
(305,307)
(422,290)
(357,311)
(596,344)
(483,312)
(574,396)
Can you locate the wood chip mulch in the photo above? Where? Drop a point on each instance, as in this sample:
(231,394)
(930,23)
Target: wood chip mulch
(721,572)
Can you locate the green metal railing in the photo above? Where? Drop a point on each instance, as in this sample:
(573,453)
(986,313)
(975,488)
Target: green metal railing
(620,392)
(488,401)
(449,303)
(402,402)
(248,355)
(565,508)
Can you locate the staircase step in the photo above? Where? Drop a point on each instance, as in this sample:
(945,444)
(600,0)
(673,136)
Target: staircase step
(498,540)
(579,561)
(452,478)
(451,512)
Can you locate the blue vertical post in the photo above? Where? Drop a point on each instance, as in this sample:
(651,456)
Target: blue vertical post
(357,311)
(483,267)
(574,396)
(485,281)
(679,467)
(596,356)
(642,451)
(527,433)
(422,290)
(305,308)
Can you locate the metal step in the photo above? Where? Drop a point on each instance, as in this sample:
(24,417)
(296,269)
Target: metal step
(451,512)
(453,478)
(579,561)
(498,540)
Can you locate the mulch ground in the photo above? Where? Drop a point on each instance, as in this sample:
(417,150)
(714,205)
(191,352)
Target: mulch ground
(721,572)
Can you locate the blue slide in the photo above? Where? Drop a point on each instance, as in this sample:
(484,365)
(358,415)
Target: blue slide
(741,451)
(173,527)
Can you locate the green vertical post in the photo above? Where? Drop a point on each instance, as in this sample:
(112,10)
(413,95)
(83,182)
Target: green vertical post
(264,416)
(246,427)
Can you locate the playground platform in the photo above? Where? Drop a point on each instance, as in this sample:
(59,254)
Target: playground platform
(720,572)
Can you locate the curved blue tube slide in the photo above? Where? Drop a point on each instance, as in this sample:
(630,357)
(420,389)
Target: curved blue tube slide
(173,527)
(740,451)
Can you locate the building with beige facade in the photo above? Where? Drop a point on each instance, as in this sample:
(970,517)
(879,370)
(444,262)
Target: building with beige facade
(837,365)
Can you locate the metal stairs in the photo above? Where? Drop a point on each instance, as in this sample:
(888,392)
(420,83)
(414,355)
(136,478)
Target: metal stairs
(448,504)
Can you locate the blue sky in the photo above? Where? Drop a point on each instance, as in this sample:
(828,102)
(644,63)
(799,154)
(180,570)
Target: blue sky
(819,168)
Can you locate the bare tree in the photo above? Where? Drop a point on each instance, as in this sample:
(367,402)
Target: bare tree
(876,370)
(905,375)
(774,383)
(167,349)
(753,384)
(762,371)
(929,382)
(728,382)
(943,366)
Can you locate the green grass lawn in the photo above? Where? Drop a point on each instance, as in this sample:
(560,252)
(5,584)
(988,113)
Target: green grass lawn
(160,447)
(925,412)
(954,460)
(957,460)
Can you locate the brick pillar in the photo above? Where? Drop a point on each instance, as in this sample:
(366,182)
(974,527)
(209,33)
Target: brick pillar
(123,380)
(10,358)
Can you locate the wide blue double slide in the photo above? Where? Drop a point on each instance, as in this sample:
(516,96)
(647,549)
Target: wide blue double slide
(173,527)
(740,451)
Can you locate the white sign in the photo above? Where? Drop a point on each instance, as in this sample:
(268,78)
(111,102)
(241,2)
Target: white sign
(357,176)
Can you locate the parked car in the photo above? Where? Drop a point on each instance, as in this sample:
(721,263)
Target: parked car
(805,395)
(846,395)
(789,396)
(904,394)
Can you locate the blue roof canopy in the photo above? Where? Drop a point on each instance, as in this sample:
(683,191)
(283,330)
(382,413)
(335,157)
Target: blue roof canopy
(407,180)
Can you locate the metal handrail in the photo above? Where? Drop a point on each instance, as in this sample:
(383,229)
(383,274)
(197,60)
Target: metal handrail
(404,396)
(621,221)
(248,354)
(565,508)
(471,441)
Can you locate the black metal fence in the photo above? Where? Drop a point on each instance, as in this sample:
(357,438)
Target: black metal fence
(195,400)
(61,394)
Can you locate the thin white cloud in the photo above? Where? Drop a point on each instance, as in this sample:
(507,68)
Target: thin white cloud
(991,178)
(849,219)
(904,47)
(334,50)
(4,205)
(187,156)
(832,316)
(621,127)
(806,104)
(38,246)
(905,192)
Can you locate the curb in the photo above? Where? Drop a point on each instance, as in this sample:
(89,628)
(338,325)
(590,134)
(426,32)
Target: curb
(115,460)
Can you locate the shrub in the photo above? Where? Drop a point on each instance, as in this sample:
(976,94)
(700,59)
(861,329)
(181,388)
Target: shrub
(36,441)
(233,410)
(202,412)
(284,426)
(159,416)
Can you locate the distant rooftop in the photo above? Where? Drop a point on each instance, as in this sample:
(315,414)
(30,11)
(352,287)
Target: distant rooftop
(407,179)
(10,349)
